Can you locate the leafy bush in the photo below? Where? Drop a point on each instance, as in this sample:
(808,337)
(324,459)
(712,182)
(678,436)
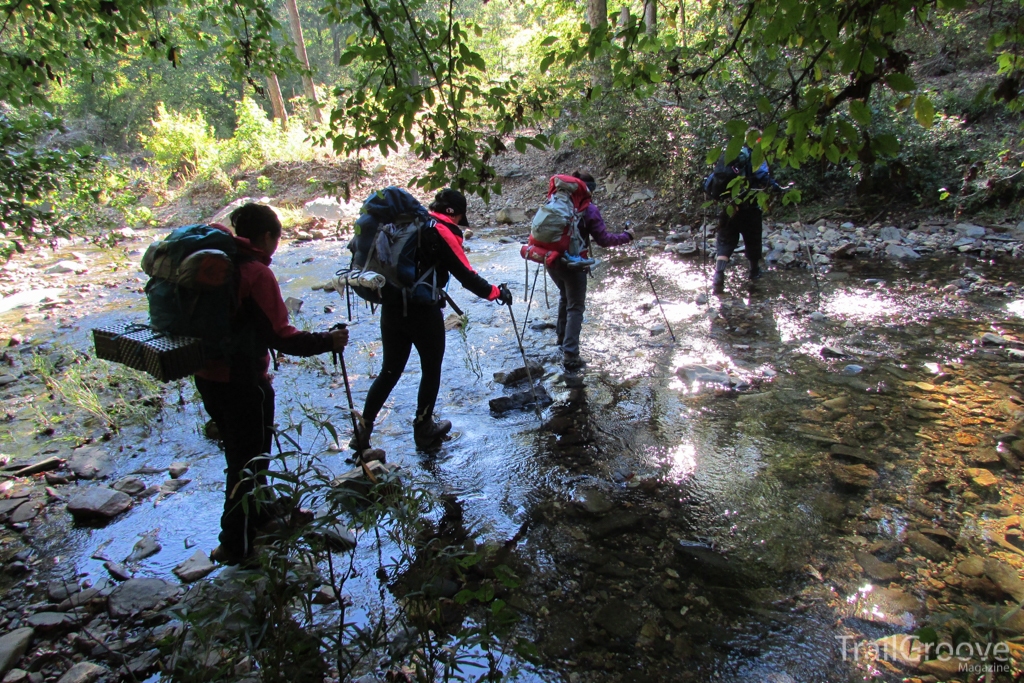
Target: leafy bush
(184,144)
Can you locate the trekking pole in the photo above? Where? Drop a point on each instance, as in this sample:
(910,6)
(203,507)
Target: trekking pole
(529,301)
(643,263)
(526,364)
(547,304)
(339,356)
(810,259)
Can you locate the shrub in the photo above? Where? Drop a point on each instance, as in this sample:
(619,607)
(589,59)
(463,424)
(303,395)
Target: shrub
(184,144)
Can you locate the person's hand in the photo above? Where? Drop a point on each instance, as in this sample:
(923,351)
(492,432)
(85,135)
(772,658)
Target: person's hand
(504,295)
(629,231)
(340,338)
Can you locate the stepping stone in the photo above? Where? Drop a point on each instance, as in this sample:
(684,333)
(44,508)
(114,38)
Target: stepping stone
(99,503)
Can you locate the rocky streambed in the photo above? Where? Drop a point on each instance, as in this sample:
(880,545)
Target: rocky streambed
(801,478)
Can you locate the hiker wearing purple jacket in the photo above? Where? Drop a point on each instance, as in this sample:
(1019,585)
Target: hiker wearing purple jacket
(572,282)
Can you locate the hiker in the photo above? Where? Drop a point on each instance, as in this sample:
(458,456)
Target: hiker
(406,323)
(746,218)
(236,391)
(572,281)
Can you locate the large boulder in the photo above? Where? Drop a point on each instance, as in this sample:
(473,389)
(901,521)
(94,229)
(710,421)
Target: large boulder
(12,646)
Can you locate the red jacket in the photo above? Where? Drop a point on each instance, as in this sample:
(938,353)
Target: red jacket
(261,309)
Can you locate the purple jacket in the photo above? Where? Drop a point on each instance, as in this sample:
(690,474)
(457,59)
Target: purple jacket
(593,225)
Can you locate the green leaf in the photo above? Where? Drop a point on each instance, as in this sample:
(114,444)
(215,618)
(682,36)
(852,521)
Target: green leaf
(901,82)
(886,144)
(550,40)
(546,62)
(736,127)
(860,112)
(924,111)
(732,150)
(829,27)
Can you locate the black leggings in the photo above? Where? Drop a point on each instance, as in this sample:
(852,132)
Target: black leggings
(747,222)
(423,328)
(244,413)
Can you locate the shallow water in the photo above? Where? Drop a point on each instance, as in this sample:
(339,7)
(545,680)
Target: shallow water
(716,505)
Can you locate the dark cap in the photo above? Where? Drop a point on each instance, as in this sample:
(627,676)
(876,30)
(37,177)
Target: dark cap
(449,201)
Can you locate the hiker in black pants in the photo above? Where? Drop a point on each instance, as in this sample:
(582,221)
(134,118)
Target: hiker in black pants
(746,218)
(236,390)
(404,325)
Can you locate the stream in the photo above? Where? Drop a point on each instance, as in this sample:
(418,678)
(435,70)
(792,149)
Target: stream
(695,506)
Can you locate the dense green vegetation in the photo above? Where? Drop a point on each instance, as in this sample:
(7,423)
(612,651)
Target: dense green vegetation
(102,99)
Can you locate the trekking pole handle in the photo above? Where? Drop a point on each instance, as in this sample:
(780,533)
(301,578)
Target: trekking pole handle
(336,326)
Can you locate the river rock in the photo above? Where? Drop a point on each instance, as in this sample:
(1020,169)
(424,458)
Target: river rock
(44,465)
(891,234)
(595,501)
(136,595)
(79,599)
(1005,576)
(888,606)
(130,485)
(620,619)
(194,568)
(177,469)
(856,476)
(91,462)
(982,478)
(67,267)
(99,502)
(117,571)
(875,568)
(12,646)
(970,230)
(61,590)
(521,400)
(172,485)
(325,595)
(146,546)
(510,215)
(972,566)
(516,375)
(903,648)
(985,457)
(83,672)
(50,621)
(926,546)
(861,454)
(614,523)
(838,403)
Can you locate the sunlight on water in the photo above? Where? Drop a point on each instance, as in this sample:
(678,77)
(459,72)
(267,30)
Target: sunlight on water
(859,306)
(1016,308)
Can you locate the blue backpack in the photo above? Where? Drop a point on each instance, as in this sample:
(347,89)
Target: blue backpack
(386,244)
(192,287)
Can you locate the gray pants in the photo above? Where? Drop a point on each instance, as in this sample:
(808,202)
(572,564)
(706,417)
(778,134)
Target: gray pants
(572,300)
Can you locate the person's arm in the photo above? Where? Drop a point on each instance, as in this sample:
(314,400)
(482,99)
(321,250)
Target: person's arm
(453,259)
(594,223)
(271,318)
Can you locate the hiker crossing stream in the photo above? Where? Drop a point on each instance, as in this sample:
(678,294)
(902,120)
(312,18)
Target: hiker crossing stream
(728,506)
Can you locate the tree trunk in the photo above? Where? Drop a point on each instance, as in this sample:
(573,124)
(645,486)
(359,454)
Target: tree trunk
(277,100)
(682,22)
(300,52)
(651,16)
(597,12)
(336,40)
(624,16)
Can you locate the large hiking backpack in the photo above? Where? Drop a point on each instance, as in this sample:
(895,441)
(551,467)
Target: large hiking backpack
(716,185)
(385,250)
(192,287)
(555,229)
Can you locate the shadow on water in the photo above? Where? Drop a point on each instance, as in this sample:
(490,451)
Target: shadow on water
(676,524)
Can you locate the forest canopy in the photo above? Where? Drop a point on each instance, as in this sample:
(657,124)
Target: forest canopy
(842,93)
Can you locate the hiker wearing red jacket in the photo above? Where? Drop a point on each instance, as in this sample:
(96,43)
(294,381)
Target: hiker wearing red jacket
(404,325)
(236,391)
(572,282)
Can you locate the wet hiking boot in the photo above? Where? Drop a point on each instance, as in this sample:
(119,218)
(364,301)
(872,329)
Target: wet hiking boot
(222,555)
(718,283)
(427,433)
(755,271)
(572,361)
(361,435)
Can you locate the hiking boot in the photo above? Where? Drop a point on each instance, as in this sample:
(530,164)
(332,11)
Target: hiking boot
(572,361)
(361,434)
(427,433)
(718,283)
(755,271)
(222,555)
